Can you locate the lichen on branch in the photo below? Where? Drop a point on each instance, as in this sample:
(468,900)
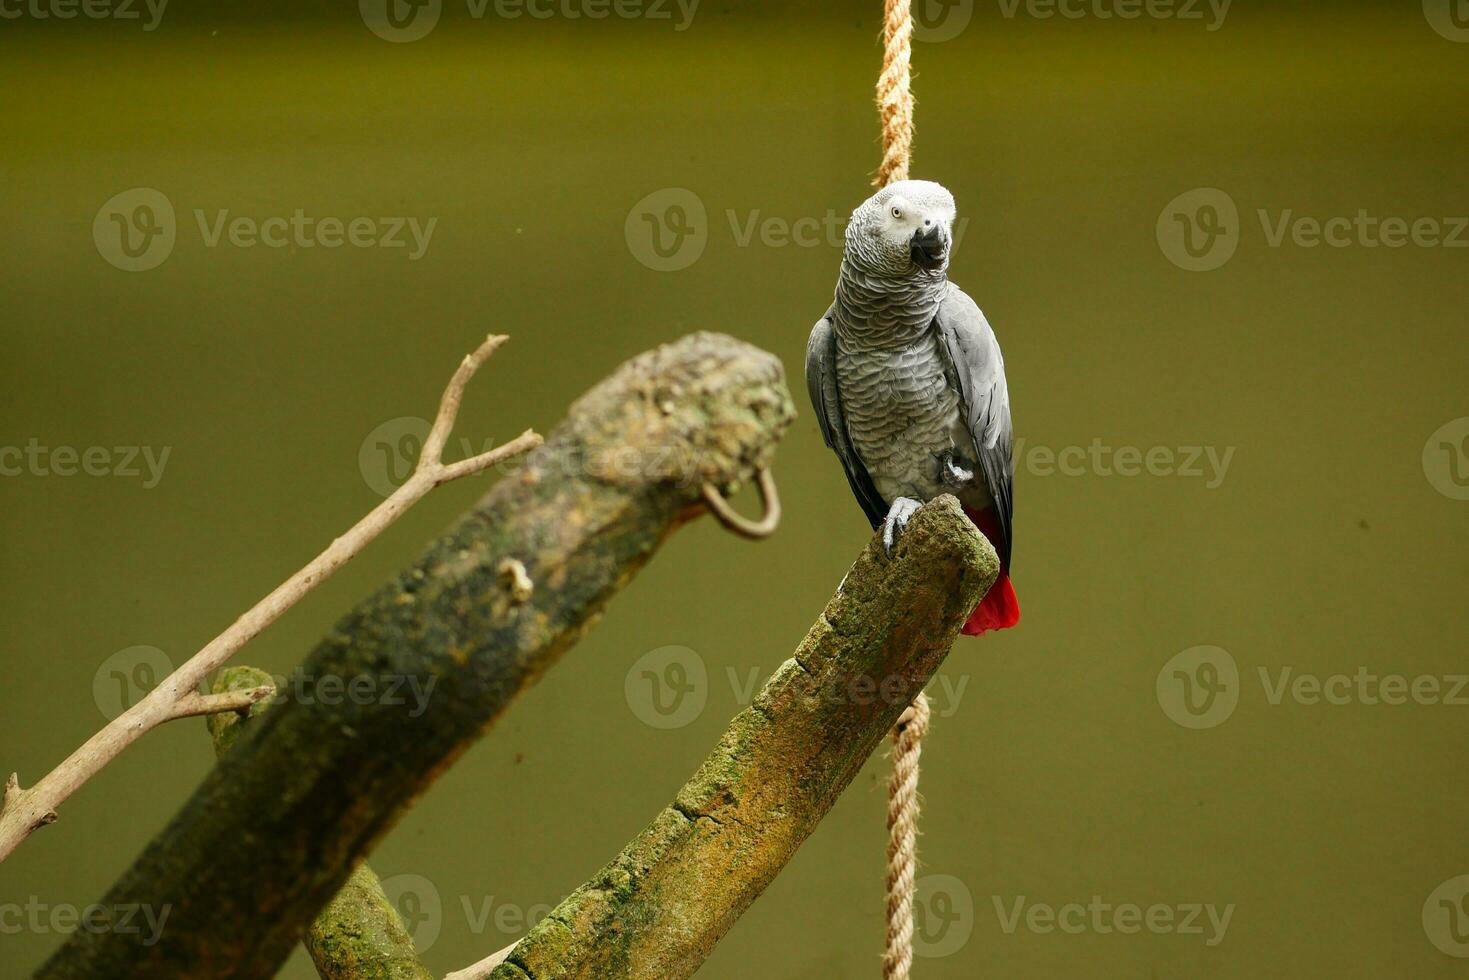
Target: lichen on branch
(322,778)
(656,912)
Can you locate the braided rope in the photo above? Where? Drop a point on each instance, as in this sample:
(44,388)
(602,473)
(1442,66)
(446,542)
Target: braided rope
(894,95)
(903,837)
(895,107)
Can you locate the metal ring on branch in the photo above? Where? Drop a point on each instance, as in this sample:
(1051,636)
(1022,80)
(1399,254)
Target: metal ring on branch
(739,524)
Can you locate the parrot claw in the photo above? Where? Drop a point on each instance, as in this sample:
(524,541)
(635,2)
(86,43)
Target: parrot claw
(899,514)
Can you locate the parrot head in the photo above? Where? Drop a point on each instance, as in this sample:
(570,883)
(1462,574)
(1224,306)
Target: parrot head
(904,230)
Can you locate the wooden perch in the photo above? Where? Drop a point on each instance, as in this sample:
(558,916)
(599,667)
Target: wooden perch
(411,677)
(359,935)
(659,909)
(656,911)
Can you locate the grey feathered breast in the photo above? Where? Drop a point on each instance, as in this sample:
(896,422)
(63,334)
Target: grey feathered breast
(974,366)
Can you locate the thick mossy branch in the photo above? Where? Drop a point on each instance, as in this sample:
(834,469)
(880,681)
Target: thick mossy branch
(412,676)
(656,912)
(359,935)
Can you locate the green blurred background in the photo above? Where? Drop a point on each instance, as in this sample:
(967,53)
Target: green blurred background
(1054,771)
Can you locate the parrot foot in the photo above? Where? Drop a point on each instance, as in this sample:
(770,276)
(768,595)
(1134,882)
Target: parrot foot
(899,514)
(953,474)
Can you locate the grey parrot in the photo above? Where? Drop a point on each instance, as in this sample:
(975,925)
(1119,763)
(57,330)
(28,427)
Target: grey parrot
(908,382)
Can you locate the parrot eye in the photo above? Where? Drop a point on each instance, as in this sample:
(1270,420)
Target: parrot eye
(897,213)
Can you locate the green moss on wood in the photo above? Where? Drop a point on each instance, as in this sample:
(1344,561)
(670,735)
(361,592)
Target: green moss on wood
(359,935)
(656,912)
(322,776)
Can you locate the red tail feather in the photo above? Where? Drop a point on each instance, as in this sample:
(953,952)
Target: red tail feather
(999,609)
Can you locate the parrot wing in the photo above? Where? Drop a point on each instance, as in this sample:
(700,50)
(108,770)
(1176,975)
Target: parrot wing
(978,371)
(821,382)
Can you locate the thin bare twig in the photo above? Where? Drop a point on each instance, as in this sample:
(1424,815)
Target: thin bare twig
(486,966)
(194,704)
(24,810)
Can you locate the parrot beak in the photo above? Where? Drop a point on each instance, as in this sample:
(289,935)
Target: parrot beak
(930,247)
